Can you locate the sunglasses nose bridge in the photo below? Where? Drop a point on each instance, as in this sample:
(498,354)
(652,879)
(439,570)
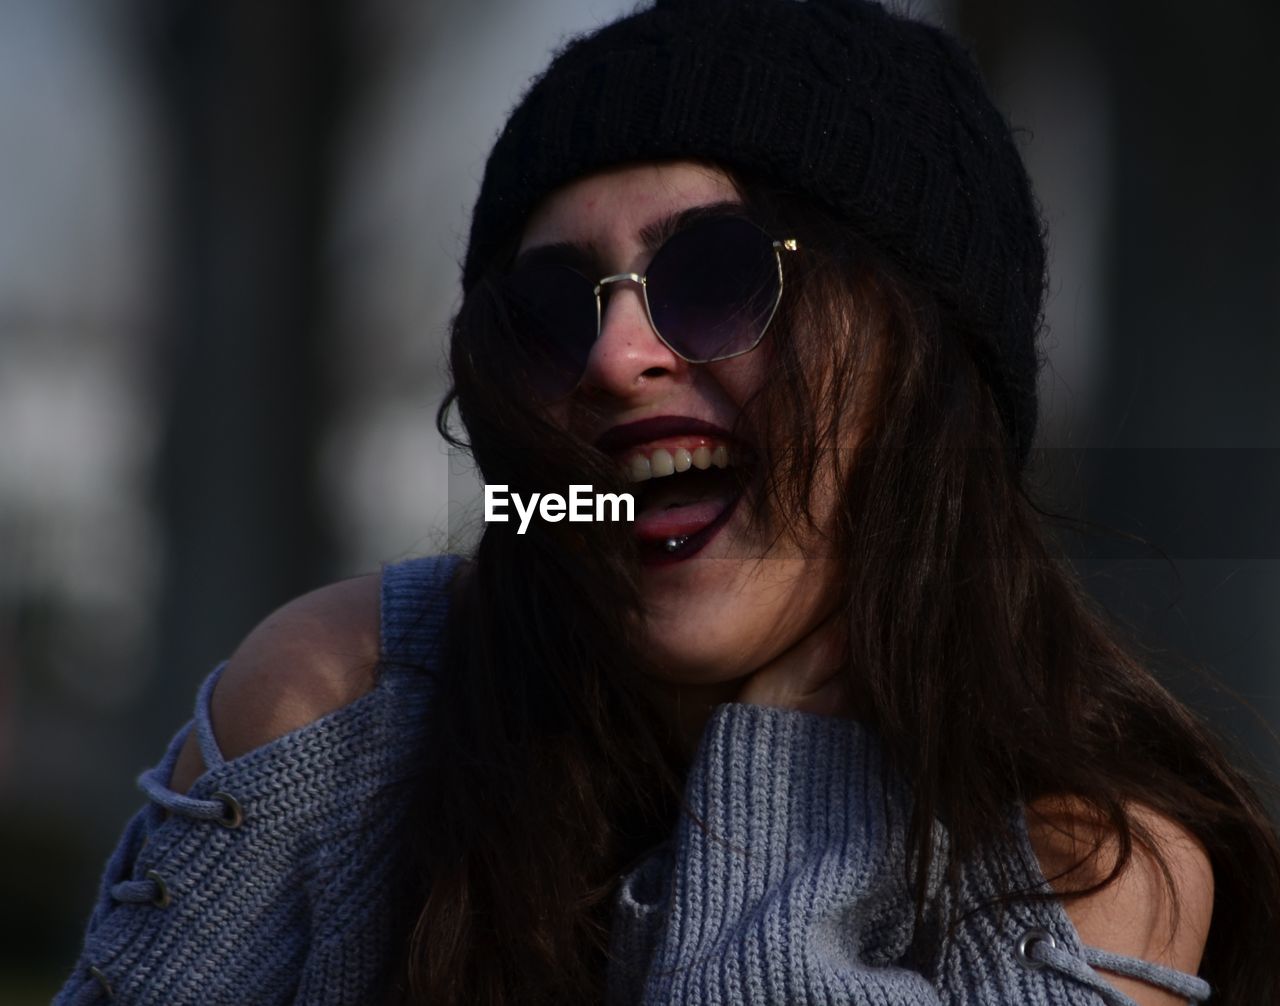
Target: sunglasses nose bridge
(621,277)
(616,279)
(622,348)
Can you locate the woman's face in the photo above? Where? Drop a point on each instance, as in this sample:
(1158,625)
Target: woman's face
(739,599)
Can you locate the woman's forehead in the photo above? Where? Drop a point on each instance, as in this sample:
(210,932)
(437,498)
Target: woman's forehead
(612,208)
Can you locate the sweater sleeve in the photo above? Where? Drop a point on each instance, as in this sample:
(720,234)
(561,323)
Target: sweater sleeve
(266,882)
(269,882)
(785,882)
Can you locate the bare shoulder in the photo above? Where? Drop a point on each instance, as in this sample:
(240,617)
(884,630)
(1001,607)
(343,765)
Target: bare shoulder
(1133,916)
(310,657)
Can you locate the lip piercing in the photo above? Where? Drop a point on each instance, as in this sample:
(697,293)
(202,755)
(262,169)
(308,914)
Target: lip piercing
(675,544)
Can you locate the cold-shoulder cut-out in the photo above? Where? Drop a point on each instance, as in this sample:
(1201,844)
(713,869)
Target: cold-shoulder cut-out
(280,898)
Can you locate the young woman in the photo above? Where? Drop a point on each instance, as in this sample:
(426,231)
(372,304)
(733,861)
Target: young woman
(828,721)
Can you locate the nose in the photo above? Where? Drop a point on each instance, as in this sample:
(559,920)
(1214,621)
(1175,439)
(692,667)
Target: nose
(628,359)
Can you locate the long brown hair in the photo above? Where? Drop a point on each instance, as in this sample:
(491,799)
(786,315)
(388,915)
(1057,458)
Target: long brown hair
(989,672)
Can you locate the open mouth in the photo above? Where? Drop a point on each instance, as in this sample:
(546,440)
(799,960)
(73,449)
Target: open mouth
(686,490)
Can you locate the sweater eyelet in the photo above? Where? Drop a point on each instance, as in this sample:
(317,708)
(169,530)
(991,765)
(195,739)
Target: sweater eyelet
(162,898)
(103,982)
(1028,940)
(232,814)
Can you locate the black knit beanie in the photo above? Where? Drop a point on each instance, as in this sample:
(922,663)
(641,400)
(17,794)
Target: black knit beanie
(882,119)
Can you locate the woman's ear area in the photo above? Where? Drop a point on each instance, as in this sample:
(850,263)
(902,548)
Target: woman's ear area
(856,378)
(310,657)
(1134,915)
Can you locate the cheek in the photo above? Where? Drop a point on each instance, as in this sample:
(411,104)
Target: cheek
(741,377)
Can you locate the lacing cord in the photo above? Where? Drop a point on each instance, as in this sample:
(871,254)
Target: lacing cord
(1037,949)
(220,808)
(91,994)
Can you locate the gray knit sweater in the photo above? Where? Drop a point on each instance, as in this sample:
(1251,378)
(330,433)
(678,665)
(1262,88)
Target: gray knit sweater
(268,883)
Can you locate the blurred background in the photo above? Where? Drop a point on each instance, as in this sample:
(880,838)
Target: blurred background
(229,236)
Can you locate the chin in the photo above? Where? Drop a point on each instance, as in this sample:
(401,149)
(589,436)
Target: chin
(689,654)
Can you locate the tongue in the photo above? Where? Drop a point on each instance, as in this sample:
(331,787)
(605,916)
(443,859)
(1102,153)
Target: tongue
(680,505)
(656,524)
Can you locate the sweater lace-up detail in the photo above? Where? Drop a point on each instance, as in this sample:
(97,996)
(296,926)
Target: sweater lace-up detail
(1037,949)
(221,808)
(271,880)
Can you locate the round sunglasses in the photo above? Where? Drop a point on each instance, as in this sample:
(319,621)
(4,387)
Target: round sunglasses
(710,292)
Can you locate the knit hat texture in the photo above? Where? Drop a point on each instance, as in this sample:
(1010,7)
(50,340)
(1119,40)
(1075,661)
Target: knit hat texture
(882,119)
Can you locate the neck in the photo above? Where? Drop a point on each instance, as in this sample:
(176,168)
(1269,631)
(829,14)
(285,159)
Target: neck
(686,707)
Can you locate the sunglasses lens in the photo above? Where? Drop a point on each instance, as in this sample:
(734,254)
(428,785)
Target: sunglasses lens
(551,310)
(713,288)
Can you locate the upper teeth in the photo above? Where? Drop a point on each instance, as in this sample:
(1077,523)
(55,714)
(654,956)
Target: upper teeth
(661,461)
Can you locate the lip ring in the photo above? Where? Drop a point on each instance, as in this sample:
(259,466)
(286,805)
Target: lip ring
(656,554)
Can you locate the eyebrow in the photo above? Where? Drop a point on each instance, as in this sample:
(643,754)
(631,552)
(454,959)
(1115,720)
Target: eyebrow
(654,234)
(588,259)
